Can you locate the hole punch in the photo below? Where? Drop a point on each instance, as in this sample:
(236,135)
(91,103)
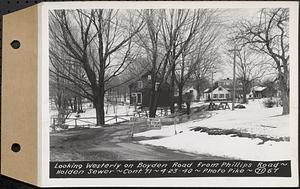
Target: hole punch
(15,44)
(15,147)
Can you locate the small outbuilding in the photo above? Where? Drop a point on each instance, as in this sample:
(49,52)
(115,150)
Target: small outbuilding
(258,92)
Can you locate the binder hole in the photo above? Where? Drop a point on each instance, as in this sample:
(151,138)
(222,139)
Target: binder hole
(15,147)
(15,44)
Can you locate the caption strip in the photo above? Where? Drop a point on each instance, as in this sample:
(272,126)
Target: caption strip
(129,169)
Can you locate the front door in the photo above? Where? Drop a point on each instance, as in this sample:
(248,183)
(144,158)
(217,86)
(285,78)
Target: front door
(139,98)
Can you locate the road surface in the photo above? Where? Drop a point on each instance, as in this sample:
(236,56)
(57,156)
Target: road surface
(111,144)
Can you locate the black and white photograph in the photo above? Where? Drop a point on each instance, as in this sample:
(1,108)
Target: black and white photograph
(169,84)
(150,93)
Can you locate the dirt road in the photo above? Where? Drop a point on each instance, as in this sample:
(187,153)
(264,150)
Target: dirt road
(110,143)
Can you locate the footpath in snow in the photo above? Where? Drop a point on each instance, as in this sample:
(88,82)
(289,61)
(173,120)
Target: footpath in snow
(266,131)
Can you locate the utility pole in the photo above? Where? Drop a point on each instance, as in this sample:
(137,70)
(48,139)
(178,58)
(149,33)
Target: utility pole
(234,83)
(233,98)
(212,80)
(212,84)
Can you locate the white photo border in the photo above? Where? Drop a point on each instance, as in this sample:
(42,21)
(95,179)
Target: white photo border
(43,98)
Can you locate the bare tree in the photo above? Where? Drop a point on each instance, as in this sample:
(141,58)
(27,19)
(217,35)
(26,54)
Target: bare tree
(250,67)
(208,63)
(270,35)
(98,46)
(166,35)
(180,30)
(150,40)
(59,96)
(138,67)
(198,57)
(173,22)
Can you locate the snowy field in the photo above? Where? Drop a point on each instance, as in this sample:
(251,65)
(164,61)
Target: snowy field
(255,119)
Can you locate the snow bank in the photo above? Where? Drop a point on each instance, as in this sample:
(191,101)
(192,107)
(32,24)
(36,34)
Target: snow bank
(255,119)
(225,146)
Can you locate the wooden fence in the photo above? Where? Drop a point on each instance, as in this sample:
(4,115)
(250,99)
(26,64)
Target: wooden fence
(79,122)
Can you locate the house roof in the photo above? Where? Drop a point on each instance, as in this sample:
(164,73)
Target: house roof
(258,88)
(138,78)
(208,90)
(187,89)
(221,87)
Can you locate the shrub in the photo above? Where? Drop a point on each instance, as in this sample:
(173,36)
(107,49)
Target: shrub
(268,103)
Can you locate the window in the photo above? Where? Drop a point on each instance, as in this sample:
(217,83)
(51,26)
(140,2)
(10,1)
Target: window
(220,89)
(140,84)
(215,96)
(221,96)
(139,98)
(227,95)
(156,86)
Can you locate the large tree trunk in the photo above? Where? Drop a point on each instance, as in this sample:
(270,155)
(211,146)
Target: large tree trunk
(188,108)
(99,106)
(198,91)
(100,112)
(284,96)
(153,94)
(244,94)
(180,100)
(286,93)
(285,103)
(283,84)
(172,108)
(152,109)
(75,107)
(153,104)
(79,102)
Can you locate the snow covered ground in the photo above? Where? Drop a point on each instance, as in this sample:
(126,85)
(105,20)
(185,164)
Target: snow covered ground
(122,112)
(255,119)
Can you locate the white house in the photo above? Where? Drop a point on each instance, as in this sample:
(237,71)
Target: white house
(217,93)
(257,92)
(194,92)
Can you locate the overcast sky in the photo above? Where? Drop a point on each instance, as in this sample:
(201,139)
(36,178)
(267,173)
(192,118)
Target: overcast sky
(230,17)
